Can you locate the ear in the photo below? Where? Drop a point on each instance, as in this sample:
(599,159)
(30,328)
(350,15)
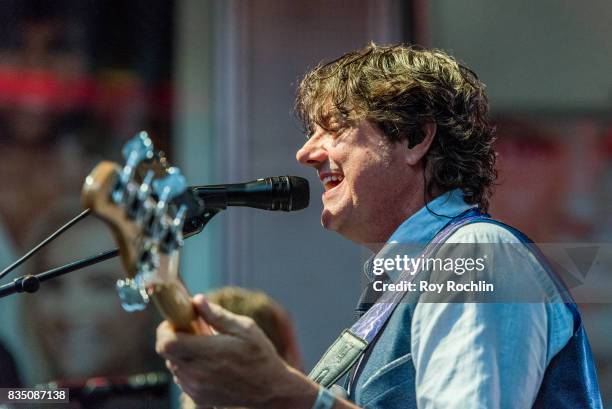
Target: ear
(418,152)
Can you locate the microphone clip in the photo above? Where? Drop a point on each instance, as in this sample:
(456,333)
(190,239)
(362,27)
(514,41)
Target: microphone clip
(196,223)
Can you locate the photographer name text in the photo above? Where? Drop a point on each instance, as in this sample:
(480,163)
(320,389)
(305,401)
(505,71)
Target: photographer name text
(425,286)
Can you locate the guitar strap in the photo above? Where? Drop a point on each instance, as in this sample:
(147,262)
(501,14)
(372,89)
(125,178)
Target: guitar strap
(352,344)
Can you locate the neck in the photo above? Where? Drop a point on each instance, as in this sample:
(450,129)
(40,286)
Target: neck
(386,222)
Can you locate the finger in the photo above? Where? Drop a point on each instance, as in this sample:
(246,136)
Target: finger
(193,384)
(178,345)
(172,366)
(177,382)
(165,335)
(182,349)
(221,319)
(177,366)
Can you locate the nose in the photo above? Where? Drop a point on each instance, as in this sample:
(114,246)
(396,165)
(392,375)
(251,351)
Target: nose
(313,153)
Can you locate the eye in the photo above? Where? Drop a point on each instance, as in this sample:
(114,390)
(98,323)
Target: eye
(338,131)
(337,125)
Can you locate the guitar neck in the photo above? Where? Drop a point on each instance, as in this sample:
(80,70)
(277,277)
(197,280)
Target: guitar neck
(174,301)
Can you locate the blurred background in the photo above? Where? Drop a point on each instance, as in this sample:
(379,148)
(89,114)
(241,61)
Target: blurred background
(213,81)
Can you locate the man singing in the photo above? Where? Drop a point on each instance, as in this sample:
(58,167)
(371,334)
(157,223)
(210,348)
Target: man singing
(401,141)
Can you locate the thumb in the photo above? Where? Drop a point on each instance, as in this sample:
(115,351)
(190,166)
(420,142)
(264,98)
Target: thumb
(222,320)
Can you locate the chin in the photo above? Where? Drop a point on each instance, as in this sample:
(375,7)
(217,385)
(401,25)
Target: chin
(326,220)
(330,220)
(334,221)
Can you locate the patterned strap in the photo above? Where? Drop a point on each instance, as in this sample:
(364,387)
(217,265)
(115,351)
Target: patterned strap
(352,343)
(370,324)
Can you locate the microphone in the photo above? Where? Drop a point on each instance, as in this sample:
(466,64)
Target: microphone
(286,193)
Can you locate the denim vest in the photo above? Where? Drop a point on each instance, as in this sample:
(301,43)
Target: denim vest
(385,377)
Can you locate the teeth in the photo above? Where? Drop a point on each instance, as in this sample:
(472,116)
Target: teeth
(334,178)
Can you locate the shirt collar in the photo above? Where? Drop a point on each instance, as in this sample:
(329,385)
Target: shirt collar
(421,227)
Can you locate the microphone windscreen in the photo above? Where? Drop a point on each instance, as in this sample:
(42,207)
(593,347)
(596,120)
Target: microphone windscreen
(300,193)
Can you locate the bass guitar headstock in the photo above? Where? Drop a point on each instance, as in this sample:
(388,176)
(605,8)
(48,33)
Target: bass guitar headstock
(141,202)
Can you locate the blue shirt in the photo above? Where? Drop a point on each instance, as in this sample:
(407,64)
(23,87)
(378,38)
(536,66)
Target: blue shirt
(466,355)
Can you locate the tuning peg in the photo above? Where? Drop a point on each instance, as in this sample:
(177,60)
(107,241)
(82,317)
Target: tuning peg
(132,293)
(171,186)
(145,186)
(167,188)
(142,209)
(173,234)
(179,221)
(136,150)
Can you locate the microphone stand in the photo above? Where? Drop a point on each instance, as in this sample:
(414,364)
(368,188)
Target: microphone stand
(31,283)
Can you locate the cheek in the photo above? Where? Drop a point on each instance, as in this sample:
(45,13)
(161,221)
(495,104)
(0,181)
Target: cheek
(367,176)
(378,187)
(338,155)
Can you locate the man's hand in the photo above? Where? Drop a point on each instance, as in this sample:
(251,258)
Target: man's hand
(237,367)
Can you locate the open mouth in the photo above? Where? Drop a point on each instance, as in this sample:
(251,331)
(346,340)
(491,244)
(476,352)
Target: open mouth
(331,181)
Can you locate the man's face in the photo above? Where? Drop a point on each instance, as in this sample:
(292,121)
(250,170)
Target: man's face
(365,179)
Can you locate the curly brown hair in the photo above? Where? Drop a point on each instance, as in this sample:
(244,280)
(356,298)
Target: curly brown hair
(400,89)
